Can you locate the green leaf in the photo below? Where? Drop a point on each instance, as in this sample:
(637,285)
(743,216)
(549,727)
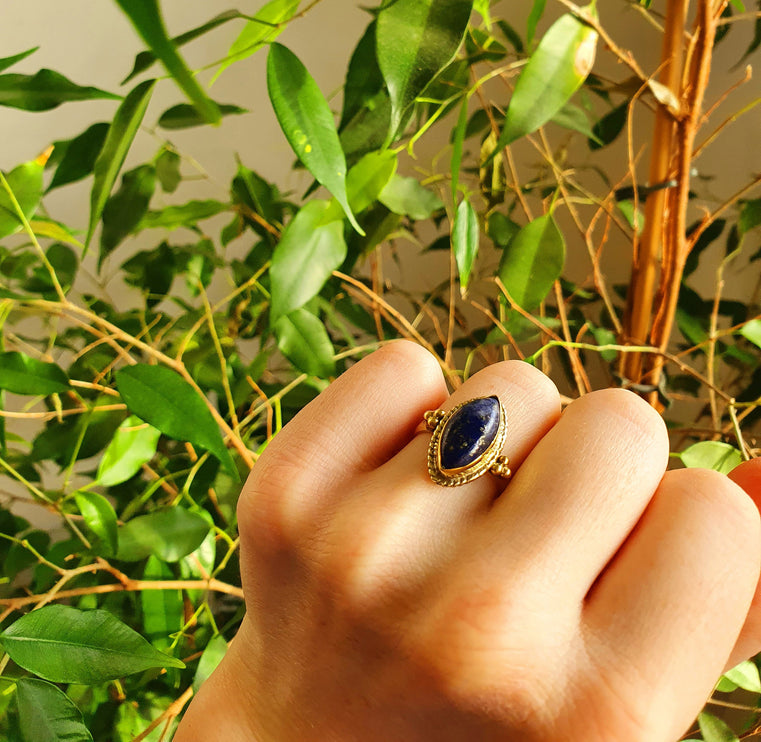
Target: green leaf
(537,11)
(185,116)
(145,59)
(133,445)
(465,239)
(458,140)
(78,155)
(416,39)
(168,170)
(125,208)
(7,62)
(47,714)
(167,534)
(554,72)
(44,90)
(152,272)
(122,131)
(145,16)
(609,126)
(574,118)
(25,181)
(750,215)
(532,262)
(368,178)
(21,374)
(66,645)
(164,399)
(714,455)
(307,122)
(211,657)
(308,252)
(745,675)
(752,331)
(54,230)
(405,196)
(714,729)
(501,229)
(268,23)
(304,341)
(184,215)
(100,518)
(163,610)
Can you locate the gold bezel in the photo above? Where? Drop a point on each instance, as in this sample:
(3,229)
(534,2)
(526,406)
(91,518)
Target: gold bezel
(478,467)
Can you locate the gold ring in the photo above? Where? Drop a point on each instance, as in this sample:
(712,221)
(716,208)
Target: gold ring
(467,441)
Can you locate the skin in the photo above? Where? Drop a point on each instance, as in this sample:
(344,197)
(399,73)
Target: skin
(594,597)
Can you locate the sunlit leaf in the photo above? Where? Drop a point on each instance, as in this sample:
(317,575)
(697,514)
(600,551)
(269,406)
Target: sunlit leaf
(714,455)
(268,23)
(554,72)
(307,122)
(47,228)
(133,445)
(533,261)
(416,39)
(100,518)
(162,609)
(465,239)
(574,118)
(25,181)
(537,11)
(21,374)
(302,338)
(118,141)
(164,399)
(211,657)
(66,645)
(44,90)
(407,197)
(308,252)
(145,16)
(714,729)
(47,714)
(745,676)
(168,534)
(187,214)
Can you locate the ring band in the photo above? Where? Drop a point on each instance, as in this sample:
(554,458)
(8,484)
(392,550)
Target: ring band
(467,442)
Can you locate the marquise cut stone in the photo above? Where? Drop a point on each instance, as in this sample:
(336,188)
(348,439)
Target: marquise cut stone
(468,434)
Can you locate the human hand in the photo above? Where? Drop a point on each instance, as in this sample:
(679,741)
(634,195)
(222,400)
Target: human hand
(591,598)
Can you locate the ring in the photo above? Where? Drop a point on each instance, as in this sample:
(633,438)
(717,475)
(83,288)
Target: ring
(467,441)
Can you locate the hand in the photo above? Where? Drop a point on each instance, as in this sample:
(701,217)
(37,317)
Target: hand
(593,597)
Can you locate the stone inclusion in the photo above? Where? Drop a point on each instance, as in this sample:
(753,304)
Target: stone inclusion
(468,434)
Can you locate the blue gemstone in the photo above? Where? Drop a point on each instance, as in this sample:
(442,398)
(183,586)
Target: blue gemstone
(469,433)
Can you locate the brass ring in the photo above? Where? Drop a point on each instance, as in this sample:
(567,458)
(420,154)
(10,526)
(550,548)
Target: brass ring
(467,442)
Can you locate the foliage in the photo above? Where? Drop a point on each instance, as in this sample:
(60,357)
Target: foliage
(145,418)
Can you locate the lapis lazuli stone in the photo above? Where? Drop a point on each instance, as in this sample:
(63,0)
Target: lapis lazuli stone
(469,433)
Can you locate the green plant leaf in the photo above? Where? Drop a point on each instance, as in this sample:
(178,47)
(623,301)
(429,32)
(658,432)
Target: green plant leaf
(268,23)
(745,676)
(750,215)
(417,39)
(7,62)
(714,729)
(25,181)
(122,131)
(185,116)
(609,126)
(308,252)
(183,215)
(574,118)
(211,657)
(405,196)
(714,455)
(66,645)
(555,71)
(168,534)
(307,122)
(145,16)
(47,714)
(78,155)
(465,239)
(133,445)
(304,341)
(21,374)
(537,11)
(44,90)
(125,208)
(752,331)
(532,262)
(145,59)
(458,141)
(53,230)
(100,518)
(164,399)
(368,178)
(162,609)
(168,170)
